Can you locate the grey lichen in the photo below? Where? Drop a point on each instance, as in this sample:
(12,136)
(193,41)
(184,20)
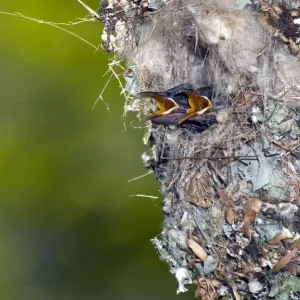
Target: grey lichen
(284,287)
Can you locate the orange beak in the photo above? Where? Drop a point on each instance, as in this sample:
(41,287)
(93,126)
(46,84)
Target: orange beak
(198,105)
(165,105)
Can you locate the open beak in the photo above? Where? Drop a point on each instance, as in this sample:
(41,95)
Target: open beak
(165,107)
(198,105)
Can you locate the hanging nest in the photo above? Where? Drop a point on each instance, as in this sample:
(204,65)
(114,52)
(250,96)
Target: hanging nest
(230,186)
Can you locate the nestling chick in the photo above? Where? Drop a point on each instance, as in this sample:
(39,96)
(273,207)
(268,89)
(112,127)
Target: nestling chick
(193,109)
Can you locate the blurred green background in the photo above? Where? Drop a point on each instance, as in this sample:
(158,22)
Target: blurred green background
(69,228)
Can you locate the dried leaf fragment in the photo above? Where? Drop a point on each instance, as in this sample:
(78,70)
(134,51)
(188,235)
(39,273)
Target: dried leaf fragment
(295,194)
(289,256)
(197,249)
(235,290)
(285,260)
(245,98)
(296,244)
(286,234)
(295,12)
(251,209)
(295,49)
(207,288)
(229,216)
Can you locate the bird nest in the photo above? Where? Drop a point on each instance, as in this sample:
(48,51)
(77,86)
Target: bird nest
(218,82)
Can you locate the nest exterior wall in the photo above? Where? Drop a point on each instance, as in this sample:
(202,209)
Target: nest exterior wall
(230,193)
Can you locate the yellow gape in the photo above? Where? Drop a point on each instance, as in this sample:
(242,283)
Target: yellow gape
(165,105)
(198,105)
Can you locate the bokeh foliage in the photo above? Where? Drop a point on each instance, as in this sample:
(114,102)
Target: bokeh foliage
(69,228)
